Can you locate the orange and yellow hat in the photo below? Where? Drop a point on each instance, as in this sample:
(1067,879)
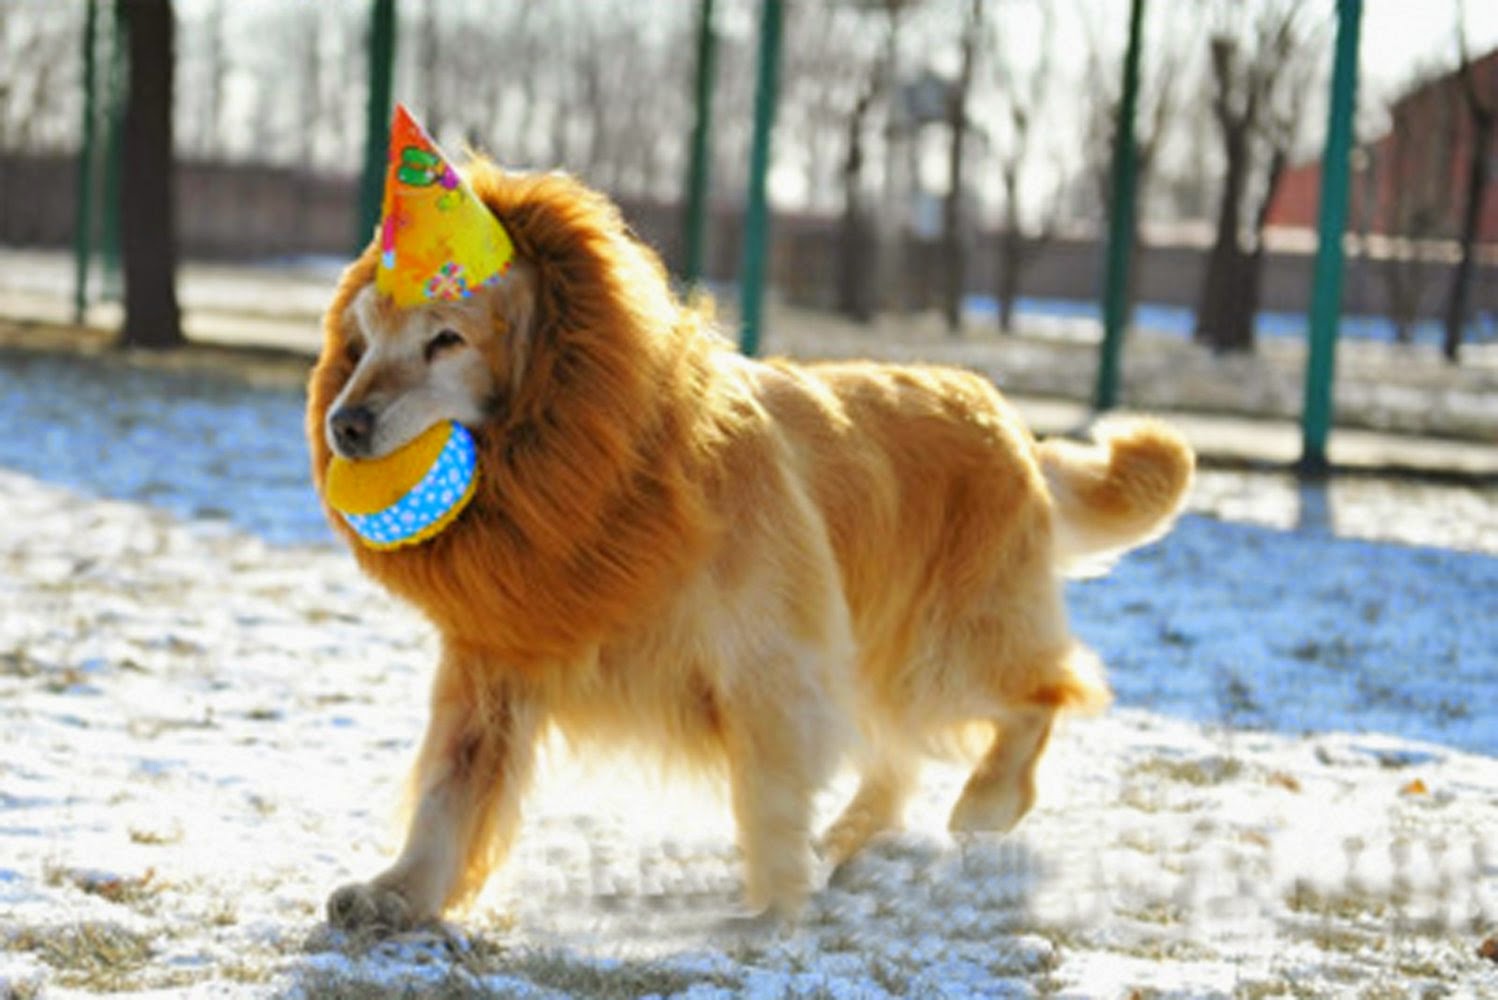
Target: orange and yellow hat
(437,240)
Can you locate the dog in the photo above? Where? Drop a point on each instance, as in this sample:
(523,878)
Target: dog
(763,567)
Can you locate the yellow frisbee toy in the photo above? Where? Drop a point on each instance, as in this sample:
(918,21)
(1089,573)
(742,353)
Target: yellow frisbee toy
(410,495)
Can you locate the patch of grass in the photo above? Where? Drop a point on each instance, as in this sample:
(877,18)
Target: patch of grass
(1263,989)
(1344,940)
(1237,700)
(1416,968)
(1150,800)
(1173,636)
(611,981)
(1337,653)
(30,989)
(622,980)
(91,955)
(225,914)
(127,890)
(1140,841)
(1045,981)
(1453,711)
(155,838)
(1386,991)
(248,972)
(1159,912)
(326,985)
(18,663)
(469,960)
(1305,898)
(890,977)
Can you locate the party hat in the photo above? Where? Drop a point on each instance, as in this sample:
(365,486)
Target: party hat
(437,240)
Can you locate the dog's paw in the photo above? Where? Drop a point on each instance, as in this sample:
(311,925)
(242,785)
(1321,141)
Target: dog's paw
(363,906)
(990,811)
(750,925)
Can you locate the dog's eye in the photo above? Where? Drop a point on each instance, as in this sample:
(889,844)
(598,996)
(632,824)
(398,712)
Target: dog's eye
(444,340)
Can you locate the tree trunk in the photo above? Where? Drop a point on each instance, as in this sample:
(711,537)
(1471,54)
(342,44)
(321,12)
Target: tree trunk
(955,251)
(1238,333)
(858,250)
(1010,250)
(1461,279)
(1222,286)
(1401,284)
(1012,261)
(148,219)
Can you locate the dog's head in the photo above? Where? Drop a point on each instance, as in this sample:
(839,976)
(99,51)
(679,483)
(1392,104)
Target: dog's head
(574,333)
(403,370)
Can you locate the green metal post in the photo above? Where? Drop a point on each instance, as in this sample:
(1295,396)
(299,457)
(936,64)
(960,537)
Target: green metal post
(1326,293)
(1120,220)
(377,119)
(117,91)
(697,171)
(83,228)
(757,217)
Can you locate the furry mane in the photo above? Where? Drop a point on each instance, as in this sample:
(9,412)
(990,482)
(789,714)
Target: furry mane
(590,504)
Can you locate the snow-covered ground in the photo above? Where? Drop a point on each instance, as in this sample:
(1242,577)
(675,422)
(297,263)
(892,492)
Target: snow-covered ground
(206,712)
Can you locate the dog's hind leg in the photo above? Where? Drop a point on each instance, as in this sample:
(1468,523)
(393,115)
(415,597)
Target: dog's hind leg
(1002,787)
(1042,671)
(472,769)
(876,806)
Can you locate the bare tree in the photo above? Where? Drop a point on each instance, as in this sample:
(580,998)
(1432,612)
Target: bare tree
(1480,101)
(857,241)
(1259,72)
(429,65)
(954,222)
(1020,99)
(149,236)
(841,69)
(37,89)
(203,67)
(309,73)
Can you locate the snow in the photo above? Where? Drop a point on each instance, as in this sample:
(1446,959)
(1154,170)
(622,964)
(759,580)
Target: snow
(206,714)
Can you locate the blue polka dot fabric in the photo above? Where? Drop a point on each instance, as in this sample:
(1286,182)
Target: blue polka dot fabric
(445,485)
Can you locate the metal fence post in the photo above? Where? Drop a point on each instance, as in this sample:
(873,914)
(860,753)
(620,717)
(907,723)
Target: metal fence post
(757,221)
(1120,220)
(1326,293)
(698,168)
(377,119)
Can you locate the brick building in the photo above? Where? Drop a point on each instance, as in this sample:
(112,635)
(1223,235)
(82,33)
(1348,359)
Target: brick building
(1411,181)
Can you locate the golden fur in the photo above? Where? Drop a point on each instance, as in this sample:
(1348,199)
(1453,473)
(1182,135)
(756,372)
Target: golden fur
(771,566)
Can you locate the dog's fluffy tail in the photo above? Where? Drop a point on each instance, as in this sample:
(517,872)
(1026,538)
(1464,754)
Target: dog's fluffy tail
(1116,494)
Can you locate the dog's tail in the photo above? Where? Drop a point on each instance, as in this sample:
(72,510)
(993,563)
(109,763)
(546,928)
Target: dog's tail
(1116,494)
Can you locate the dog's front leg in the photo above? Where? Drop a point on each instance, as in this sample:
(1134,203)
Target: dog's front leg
(473,767)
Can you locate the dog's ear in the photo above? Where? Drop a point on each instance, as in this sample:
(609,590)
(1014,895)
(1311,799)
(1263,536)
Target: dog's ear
(513,301)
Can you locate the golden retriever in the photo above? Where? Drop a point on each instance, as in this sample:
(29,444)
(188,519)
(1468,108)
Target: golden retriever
(771,567)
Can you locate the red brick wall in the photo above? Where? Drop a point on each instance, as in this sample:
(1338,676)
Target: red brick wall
(1437,135)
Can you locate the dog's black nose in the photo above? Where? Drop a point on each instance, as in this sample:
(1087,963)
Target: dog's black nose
(353,426)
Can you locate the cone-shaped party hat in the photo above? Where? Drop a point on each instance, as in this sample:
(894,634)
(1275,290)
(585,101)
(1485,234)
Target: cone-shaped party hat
(437,240)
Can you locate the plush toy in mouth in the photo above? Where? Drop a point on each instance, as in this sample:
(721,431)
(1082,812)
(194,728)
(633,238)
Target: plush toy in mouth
(411,494)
